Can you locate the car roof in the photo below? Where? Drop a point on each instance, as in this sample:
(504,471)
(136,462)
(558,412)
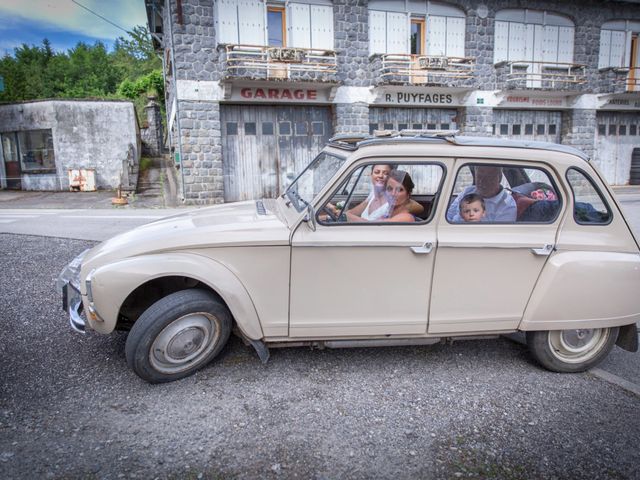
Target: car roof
(353,142)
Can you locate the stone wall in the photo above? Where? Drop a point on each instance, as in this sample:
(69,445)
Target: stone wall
(151,133)
(579,129)
(351,118)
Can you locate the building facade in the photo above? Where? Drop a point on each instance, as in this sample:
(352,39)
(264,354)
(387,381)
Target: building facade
(256,87)
(67,144)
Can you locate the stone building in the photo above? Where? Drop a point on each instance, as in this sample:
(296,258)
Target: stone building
(63,144)
(256,87)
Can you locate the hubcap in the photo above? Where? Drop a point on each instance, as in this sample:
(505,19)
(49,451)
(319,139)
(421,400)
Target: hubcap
(184,343)
(576,346)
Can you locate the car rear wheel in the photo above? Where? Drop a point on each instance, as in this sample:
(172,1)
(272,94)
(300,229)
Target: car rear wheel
(570,351)
(177,335)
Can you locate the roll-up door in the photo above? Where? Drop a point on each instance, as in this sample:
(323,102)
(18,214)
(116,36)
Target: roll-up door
(396,118)
(263,147)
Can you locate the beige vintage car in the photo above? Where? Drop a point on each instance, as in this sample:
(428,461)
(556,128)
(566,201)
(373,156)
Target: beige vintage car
(404,239)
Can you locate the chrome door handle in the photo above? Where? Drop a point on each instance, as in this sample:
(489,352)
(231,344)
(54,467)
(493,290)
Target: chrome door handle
(426,248)
(544,251)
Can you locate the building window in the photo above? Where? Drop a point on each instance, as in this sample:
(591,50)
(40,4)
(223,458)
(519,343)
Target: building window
(533,36)
(617,39)
(623,130)
(267,128)
(633,129)
(552,129)
(504,129)
(431,126)
(516,129)
(317,128)
(232,128)
(35,151)
(540,129)
(372,127)
(612,129)
(602,129)
(388,126)
(301,129)
(250,128)
(422,28)
(528,129)
(276,27)
(284,128)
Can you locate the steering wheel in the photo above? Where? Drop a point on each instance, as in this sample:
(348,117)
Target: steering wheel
(328,211)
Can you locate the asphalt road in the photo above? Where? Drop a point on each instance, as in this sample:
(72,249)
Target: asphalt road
(70,407)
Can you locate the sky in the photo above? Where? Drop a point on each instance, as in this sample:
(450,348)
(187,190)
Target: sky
(65,23)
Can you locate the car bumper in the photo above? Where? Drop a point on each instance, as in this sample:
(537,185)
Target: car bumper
(72,304)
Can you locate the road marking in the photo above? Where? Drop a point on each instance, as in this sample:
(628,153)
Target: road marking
(120,217)
(616,380)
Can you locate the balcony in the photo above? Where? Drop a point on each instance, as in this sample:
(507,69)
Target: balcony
(523,75)
(405,69)
(252,62)
(619,80)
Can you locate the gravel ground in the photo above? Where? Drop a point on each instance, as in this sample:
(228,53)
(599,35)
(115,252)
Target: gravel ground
(70,408)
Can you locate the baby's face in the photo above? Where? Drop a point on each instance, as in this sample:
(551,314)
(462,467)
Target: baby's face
(472,211)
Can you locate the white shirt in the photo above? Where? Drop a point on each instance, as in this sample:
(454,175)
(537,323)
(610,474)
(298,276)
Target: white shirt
(499,208)
(381,212)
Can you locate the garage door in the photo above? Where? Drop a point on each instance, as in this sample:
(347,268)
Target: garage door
(263,147)
(617,136)
(394,118)
(540,125)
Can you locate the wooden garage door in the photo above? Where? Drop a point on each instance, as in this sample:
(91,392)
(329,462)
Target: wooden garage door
(540,125)
(394,118)
(617,135)
(265,146)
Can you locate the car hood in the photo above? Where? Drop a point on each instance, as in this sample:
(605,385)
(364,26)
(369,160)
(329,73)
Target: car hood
(228,225)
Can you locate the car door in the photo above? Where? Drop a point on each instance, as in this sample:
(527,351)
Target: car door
(357,278)
(485,271)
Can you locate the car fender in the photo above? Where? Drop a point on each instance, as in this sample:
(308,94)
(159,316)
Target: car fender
(112,283)
(585,289)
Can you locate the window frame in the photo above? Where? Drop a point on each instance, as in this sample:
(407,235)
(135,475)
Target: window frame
(283,11)
(598,191)
(421,22)
(368,162)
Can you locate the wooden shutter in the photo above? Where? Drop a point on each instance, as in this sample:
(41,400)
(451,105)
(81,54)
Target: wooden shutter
(501,44)
(455,36)
(605,49)
(517,36)
(565,44)
(397,33)
(322,27)
(251,22)
(377,32)
(437,35)
(618,42)
(227,21)
(550,44)
(298,26)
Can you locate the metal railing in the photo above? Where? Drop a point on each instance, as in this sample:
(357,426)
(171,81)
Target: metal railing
(278,62)
(633,79)
(426,68)
(546,74)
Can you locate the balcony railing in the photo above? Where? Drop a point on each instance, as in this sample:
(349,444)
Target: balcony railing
(545,75)
(424,69)
(633,80)
(261,62)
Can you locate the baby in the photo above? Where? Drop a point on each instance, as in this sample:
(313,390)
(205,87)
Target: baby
(472,208)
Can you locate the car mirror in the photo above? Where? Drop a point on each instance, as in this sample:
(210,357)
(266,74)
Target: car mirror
(310,217)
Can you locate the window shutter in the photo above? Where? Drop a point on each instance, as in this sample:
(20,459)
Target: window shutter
(299,26)
(501,44)
(227,21)
(322,27)
(377,32)
(251,22)
(550,44)
(565,45)
(605,48)
(397,33)
(517,36)
(455,37)
(437,35)
(529,42)
(618,42)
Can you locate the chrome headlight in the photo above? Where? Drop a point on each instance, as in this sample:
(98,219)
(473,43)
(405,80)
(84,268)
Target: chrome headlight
(71,273)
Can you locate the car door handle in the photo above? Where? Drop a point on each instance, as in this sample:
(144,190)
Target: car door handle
(544,251)
(426,248)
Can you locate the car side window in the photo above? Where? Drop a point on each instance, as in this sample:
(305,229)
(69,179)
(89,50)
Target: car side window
(589,207)
(492,193)
(385,192)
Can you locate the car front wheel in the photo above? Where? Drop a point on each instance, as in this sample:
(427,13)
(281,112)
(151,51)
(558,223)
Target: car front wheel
(570,351)
(177,335)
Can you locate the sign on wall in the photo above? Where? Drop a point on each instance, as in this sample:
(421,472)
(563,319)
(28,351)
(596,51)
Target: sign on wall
(420,97)
(279,94)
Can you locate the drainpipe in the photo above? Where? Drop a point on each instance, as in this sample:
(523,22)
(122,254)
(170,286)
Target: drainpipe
(175,80)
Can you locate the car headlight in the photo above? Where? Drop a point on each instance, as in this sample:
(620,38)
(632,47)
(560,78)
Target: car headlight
(71,273)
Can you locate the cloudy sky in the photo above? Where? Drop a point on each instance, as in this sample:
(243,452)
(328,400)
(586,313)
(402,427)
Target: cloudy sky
(65,23)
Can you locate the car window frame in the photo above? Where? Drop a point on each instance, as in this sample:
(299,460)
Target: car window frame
(544,167)
(598,191)
(369,161)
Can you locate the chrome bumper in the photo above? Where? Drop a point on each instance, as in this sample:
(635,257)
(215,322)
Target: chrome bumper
(72,303)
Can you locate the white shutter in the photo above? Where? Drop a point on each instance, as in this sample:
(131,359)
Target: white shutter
(437,35)
(605,48)
(538,43)
(251,22)
(550,44)
(565,45)
(227,21)
(618,42)
(299,26)
(377,32)
(517,35)
(322,27)
(529,42)
(455,37)
(627,52)
(501,44)
(397,33)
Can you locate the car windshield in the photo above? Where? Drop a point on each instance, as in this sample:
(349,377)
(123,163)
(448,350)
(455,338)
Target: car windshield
(313,178)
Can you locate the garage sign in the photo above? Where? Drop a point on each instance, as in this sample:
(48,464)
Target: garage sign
(279,94)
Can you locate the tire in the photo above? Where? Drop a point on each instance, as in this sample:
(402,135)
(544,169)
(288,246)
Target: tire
(177,335)
(571,351)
